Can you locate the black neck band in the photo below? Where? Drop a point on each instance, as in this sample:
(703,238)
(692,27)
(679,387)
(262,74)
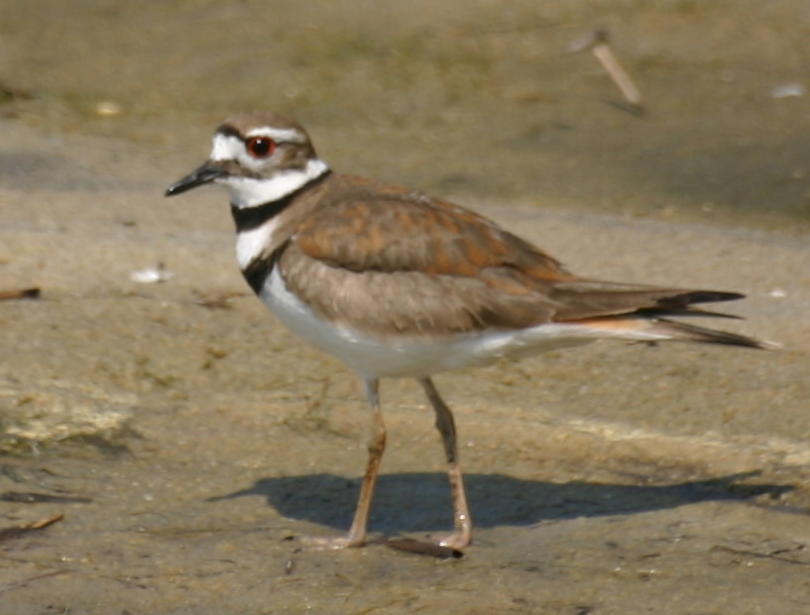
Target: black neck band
(248,218)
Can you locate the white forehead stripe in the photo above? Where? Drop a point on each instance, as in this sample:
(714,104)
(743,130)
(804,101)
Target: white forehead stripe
(226,147)
(281,135)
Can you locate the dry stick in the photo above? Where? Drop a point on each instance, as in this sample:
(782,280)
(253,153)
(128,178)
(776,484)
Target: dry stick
(23,293)
(422,548)
(597,43)
(38,525)
(7,533)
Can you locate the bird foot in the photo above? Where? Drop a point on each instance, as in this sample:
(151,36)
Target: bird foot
(454,540)
(326,543)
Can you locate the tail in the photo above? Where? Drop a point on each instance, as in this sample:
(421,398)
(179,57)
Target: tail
(642,327)
(679,331)
(607,309)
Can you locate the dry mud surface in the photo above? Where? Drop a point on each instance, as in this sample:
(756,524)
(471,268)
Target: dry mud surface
(182,443)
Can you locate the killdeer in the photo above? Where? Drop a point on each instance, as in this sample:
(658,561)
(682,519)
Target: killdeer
(395,283)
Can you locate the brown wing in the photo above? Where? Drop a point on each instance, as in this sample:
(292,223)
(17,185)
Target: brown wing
(364,226)
(397,261)
(410,302)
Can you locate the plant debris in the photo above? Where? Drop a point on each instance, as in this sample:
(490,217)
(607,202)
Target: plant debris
(17,531)
(19,293)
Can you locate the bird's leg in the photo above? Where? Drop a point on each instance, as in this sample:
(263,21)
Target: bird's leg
(462,536)
(376,446)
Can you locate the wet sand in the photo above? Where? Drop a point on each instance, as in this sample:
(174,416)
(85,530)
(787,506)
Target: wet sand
(190,442)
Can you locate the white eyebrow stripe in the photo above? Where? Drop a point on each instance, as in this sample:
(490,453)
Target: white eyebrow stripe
(226,147)
(281,135)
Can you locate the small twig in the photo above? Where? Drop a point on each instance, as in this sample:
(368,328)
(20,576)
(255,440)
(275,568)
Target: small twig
(597,43)
(22,293)
(38,525)
(420,547)
(19,530)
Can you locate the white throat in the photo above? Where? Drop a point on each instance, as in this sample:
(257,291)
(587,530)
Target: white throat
(250,192)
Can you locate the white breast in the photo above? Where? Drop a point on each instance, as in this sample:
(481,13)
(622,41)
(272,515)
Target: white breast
(249,244)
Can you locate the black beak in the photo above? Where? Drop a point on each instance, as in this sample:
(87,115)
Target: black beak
(206,173)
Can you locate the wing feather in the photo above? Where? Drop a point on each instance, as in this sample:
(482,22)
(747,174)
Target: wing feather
(396,261)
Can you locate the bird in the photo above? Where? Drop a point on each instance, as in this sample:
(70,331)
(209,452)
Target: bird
(398,284)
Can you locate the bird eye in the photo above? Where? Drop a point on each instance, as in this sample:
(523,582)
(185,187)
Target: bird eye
(260,147)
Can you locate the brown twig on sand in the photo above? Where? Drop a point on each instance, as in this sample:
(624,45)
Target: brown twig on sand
(19,530)
(597,43)
(420,547)
(21,293)
(45,522)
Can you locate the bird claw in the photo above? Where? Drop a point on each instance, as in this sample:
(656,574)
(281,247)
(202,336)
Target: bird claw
(327,543)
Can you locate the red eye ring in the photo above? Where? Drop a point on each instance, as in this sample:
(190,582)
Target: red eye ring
(260,147)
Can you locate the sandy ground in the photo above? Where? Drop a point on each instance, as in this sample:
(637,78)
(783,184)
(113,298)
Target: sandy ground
(189,442)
